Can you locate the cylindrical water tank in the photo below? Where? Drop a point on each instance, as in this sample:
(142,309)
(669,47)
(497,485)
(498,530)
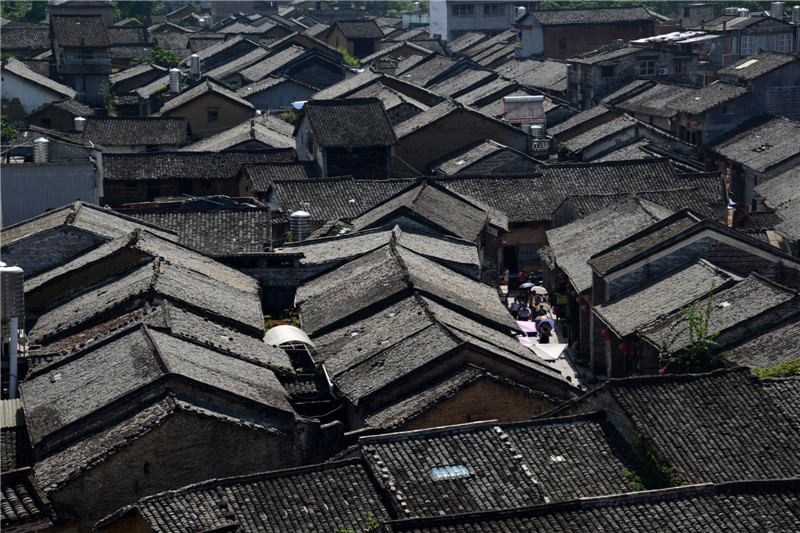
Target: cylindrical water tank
(195,61)
(537,131)
(174,80)
(796,14)
(12,300)
(300,225)
(41,150)
(776,9)
(78,123)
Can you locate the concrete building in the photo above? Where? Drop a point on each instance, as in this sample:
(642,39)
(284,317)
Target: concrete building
(450,19)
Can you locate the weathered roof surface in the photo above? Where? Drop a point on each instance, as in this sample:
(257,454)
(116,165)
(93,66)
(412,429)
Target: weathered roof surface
(591,16)
(659,100)
(634,150)
(463,160)
(359,29)
(18,68)
(665,295)
(426,70)
(465,41)
(355,122)
(199,90)
(347,85)
(385,273)
(421,120)
(388,96)
(28,39)
(631,247)
(266,129)
(187,165)
(783,194)
(434,204)
(268,83)
(331,250)
(734,507)
(22,502)
(332,198)
(506,466)
(600,56)
(215,231)
(708,97)
(135,76)
(127,34)
(578,120)
(548,75)
(463,82)
(507,36)
(388,47)
(764,145)
(75,31)
(271,64)
(261,176)
(769,348)
(238,307)
(755,66)
(498,55)
(572,245)
(604,131)
(312,498)
(237,65)
(70,105)
(493,90)
(746,299)
(132,131)
(730,428)
(101,375)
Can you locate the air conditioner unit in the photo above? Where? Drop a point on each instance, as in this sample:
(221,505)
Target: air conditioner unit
(663,71)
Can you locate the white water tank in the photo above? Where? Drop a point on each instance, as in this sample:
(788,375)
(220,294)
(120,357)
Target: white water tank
(743,12)
(536,131)
(796,14)
(195,60)
(776,10)
(731,11)
(12,299)
(78,123)
(300,225)
(41,150)
(174,80)
(520,13)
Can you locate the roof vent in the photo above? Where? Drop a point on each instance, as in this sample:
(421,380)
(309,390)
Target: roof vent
(175,80)
(78,123)
(41,150)
(195,59)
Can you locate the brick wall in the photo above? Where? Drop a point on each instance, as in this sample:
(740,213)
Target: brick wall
(185,449)
(47,250)
(581,38)
(486,399)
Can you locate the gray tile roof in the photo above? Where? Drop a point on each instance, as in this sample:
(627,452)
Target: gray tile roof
(70,105)
(269,82)
(127,34)
(572,245)
(100,376)
(25,39)
(347,85)
(312,498)
(421,120)
(735,507)
(591,16)
(437,206)
(385,273)
(236,65)
(359,29)
(599,133)
(271,64)
(659,100)
(215,231)
(187,165)
(762,146)
(769,348)
(578,120)
(783,194)
(708,97)
(463,82)
(133,131)
(755,66)
(18,68)
(389,97)
(423,72)
(491,91)
(240,308)
(201,89)
(730,428)
(664,295)
(22,504)
(601,56)
(74,31)
(355,122)
(266,129)
(508,465)
(505,37)
(465,41)
(496,56)
(389,47)
(332,198)
(746,299)
(463,160)
(261,176)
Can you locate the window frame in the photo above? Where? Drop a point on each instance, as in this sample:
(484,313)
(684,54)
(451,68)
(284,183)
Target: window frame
(494,10)
(647,67)
(747,45)
(209,116)
(604,69)
(784,43)
(468,10)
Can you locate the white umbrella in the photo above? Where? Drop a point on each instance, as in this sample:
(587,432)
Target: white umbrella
(538,289)
(526,286)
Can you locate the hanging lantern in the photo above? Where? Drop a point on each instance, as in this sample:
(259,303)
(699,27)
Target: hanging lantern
(675,120)
(625,348)
(585,308)
(580,300)
(607,334)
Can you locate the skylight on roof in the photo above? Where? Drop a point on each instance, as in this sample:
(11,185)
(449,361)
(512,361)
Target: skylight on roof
(449,472)
(747,64)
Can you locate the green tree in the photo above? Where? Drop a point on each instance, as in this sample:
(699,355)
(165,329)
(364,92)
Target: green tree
(26,11)
(161,57)
(9,131)
(349,60)
(142,10)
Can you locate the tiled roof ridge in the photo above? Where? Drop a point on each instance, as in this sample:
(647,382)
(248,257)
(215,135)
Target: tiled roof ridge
(637,381)
(159,356)
(627,499)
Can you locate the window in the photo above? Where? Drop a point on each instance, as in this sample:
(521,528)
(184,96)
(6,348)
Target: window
(748,45)
(463,10)
(647,68)
(607,71)
(449,472)
(785,42)
(213,115)
(562,44)
(494,9)
(679,67)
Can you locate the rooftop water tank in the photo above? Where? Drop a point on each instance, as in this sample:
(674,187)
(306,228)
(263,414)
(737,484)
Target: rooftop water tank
(41,150)
(174,80)
(300,225)
(12,300)
(78,123)
(796,14)
(195,59)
